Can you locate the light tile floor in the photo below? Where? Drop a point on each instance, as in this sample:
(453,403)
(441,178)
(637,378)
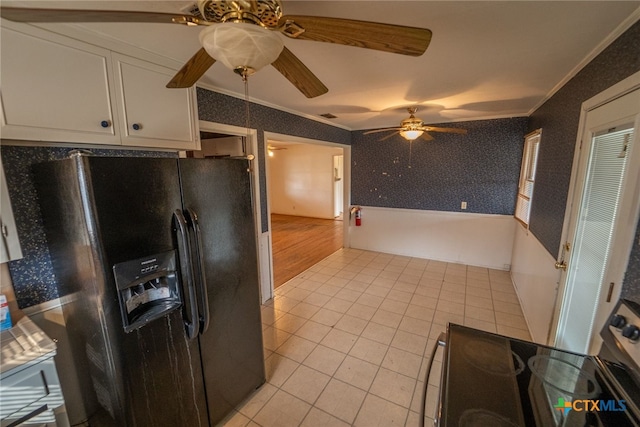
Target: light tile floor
(348,341)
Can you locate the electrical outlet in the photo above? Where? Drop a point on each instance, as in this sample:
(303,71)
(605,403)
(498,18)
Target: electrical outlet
(463,205)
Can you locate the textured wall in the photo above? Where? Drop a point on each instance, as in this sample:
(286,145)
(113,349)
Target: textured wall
(631,285)
(34,281)
(559,118)
(481,168)
(219,108)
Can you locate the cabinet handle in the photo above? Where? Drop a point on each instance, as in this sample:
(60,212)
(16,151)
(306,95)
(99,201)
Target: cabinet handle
(136,126)
(105,123)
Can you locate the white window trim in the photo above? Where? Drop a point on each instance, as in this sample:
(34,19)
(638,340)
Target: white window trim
(526,184)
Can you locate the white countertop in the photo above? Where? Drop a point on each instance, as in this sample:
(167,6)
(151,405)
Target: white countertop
(22,346)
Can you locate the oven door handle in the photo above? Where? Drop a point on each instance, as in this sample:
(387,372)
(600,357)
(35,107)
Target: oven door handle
(442,342)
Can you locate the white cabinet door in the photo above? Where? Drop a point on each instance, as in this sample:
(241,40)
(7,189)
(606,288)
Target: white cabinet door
(9,244)
(152,115)
(55,88)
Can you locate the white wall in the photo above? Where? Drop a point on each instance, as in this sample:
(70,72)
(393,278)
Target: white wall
(474,239)
(536,281)
(301,180)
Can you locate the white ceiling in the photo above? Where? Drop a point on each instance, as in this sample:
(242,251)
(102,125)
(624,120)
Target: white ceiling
(487,59)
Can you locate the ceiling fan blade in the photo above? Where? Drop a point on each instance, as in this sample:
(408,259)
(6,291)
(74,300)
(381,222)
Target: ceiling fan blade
(389,136)
(426,136)
(192,70)
(297,73)
(385,37)
(450,130)
(21,14)
(380,130)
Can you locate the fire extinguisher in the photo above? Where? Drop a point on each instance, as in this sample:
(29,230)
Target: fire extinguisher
(358,217)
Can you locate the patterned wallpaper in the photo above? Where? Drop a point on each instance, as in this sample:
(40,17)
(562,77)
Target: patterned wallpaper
(559,118)
(481,168)
(219,108)
(631,284)
(34,281)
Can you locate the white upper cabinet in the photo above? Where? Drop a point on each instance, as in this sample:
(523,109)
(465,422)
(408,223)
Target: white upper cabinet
(150,114)
(59,89)
(55,92)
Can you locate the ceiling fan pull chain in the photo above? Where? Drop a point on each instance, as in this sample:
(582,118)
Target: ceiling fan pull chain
(410,145)
(245,79)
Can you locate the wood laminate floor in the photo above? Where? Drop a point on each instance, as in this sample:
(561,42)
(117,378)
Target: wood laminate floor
(300,242)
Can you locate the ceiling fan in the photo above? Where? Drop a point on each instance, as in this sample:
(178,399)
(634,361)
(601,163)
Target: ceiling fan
(243,34)
(413,128)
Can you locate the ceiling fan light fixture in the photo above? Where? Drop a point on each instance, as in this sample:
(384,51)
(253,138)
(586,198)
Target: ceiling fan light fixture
(240,45)
(410,135)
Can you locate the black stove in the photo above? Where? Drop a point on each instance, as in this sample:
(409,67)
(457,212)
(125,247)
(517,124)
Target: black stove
(493,380)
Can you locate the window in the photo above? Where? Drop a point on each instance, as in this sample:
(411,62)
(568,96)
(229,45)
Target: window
(527,176)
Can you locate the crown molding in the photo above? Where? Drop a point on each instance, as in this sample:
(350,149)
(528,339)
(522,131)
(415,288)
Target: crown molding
(617,32)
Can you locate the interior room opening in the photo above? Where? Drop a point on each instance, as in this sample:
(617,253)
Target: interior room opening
(305,183)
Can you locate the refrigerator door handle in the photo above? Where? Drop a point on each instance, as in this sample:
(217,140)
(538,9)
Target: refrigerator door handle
(198,263)
(186,268)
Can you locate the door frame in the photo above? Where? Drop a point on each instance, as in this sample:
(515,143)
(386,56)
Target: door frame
(346,181)
(618,90)
(338,176)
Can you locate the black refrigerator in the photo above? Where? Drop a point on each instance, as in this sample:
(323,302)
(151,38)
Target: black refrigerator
(156,261)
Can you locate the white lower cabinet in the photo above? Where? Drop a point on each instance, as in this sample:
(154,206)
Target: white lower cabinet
(59,89)
(29,383)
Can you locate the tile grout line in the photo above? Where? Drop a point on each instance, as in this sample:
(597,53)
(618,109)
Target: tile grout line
(343,272)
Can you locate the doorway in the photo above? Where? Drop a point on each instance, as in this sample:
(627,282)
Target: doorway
(604,206)
(306,199)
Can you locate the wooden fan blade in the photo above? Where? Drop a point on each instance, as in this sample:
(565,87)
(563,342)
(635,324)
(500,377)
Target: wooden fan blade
(192,70)
(297,73)
(380,130)
(389,136)
(20,14)
(450,130)
(385,37)
(426,136)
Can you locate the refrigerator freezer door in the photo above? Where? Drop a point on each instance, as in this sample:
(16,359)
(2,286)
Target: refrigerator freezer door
(100,212)
(219,192)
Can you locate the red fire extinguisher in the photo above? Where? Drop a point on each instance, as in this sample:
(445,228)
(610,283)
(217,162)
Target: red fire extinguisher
(358,217)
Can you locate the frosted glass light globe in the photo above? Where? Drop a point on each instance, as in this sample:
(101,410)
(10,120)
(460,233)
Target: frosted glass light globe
(241,45)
